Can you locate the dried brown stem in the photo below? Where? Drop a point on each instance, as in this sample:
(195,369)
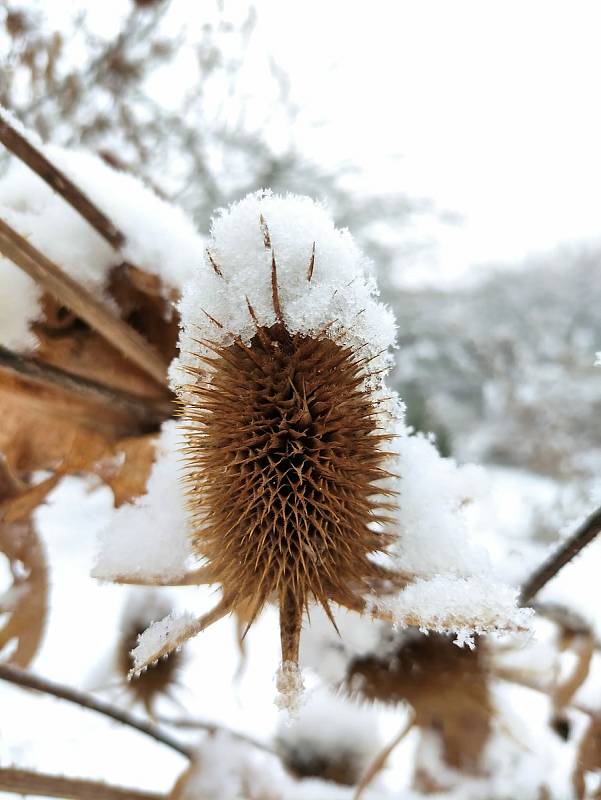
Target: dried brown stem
(567,551)
(379,762)
(68,292)
(197,577)
(24,150)
(508,675)
(28,680)
(185,723)
(25,782)
(140,414)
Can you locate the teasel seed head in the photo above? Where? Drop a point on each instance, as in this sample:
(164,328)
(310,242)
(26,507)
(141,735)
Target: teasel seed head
(285,459)
(284,455)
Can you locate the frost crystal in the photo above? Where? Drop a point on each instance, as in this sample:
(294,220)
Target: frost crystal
(465,606)
(290,686)
(161,638)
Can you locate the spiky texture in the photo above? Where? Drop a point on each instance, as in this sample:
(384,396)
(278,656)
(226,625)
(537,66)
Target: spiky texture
(285,454)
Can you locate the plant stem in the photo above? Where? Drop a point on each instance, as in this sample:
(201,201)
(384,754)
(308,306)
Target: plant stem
(566,552)
(28,680)
(210,727)
(25,782)
(70,293)
(26,152)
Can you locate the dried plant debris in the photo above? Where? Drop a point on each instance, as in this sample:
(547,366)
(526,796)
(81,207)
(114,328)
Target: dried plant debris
(158,240)
(447,687)
(25,600)
(70,401)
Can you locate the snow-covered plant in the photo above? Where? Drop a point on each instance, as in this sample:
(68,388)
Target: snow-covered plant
(159,680)
(332,738)
(285,474)
(226,769)
(302,482)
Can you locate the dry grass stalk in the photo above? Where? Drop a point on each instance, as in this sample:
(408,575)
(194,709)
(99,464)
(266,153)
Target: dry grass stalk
(24,782)
(28,680)
(26,151)
(380,760)
(583,536)
(70,293)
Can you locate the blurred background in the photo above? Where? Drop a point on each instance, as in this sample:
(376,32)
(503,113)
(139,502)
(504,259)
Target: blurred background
(459,142)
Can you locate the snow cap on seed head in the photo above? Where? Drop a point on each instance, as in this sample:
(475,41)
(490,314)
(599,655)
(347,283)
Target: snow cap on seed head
(323,280)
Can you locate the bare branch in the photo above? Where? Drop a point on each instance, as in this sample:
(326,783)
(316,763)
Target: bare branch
(140,414)
(186,723)
(24,150)
(25,782)
(197,577)
(28,680)
(567,551)
(379,762)
(83,303)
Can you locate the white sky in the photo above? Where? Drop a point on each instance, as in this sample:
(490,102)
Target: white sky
(491,107)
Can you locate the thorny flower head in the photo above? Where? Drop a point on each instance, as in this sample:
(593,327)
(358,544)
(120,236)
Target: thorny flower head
(297,466)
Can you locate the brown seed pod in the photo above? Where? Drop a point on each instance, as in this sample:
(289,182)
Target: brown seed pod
(447,686)
(284,453)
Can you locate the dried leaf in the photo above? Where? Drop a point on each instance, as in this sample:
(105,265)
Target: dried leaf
(28,595)
(583,647)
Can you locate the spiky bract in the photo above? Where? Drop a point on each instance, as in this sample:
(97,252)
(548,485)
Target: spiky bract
(285,454)
(158,679)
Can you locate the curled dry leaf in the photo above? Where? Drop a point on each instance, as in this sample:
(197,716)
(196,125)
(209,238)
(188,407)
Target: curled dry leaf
(589,757)
(582,646)
(26,600)
(79,406)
